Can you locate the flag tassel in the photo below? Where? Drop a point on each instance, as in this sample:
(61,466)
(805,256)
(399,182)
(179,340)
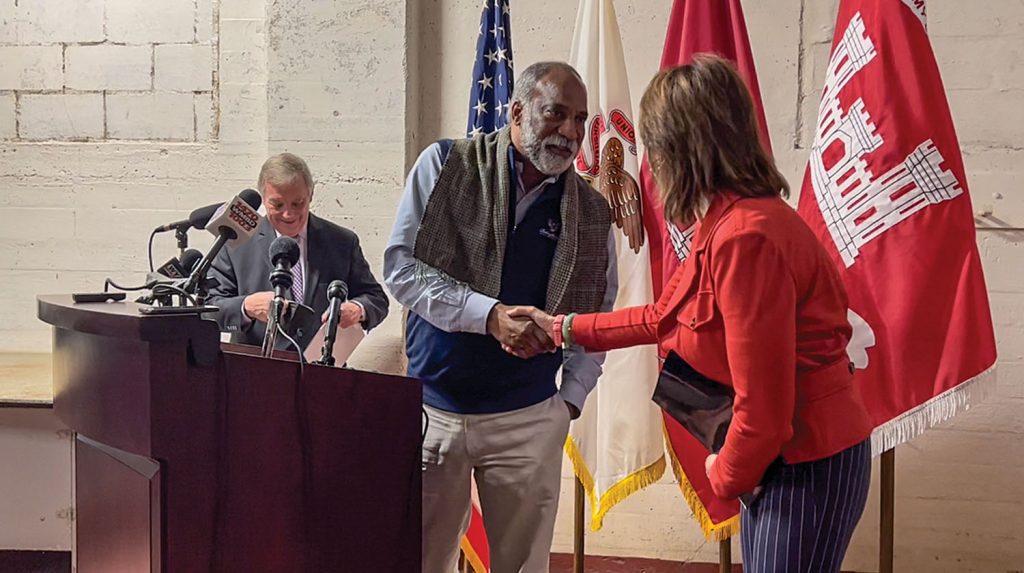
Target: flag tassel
(622,489)
(939,409)
(712,531)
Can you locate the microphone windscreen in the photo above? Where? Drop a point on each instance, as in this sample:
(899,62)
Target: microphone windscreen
(251,197)
(201,216)
(337,289)
(284,248)
(190,259)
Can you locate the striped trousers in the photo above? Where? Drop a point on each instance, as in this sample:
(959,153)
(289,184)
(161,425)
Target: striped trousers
(804,518)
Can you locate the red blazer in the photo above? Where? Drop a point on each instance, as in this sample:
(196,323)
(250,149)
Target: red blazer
(758,305)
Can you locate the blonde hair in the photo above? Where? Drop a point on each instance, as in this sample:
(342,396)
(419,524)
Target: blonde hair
(281,169)
(700,129)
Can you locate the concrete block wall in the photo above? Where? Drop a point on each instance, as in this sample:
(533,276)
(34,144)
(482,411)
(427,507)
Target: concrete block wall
(117,116)
(109,70)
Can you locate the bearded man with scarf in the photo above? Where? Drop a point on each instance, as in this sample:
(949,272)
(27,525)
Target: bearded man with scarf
(484,225)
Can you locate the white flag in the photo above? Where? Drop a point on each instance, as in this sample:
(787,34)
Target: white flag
(616,445)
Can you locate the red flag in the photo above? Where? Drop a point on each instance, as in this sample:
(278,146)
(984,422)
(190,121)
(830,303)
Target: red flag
(695,27)
(886,193)
(474,544)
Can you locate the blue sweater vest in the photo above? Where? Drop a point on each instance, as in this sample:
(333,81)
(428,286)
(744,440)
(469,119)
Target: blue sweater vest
(470,373)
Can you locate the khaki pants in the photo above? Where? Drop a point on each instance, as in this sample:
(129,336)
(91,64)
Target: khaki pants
(516,458)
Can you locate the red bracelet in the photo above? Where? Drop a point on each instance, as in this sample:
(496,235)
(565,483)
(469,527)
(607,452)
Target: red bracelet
(556,328)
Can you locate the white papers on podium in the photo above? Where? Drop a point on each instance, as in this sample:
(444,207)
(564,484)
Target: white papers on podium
(344,344)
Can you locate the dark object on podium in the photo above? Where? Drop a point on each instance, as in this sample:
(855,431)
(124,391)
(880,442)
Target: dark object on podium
(196,457)
(698,403)
(299,318)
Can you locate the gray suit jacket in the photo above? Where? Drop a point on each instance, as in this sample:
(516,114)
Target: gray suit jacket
(333,253)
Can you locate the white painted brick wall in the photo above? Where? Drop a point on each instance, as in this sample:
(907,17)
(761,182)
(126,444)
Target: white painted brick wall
(109,67)
(49,22)
(61,116)
(135,22)
(161,116)
(204,114)
(242,48)
(204,21)
(8,23)
(183,67)
(8,120)
(31,68)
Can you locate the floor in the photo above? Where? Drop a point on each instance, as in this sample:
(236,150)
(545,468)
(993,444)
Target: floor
(561,563)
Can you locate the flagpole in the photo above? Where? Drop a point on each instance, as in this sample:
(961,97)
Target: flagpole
(725,556)
(577,544)
(886,532)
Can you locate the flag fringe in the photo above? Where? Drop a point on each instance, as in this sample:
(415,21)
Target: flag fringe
(619,491)
(935,411)
(471,556)
(712,531)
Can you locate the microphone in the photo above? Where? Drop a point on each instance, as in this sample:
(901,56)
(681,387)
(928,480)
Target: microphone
(172,273)
(284,253)
(196,219)
(337,292)
(180,268)
(233,224)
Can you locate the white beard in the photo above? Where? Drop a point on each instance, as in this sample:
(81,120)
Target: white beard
(546,162)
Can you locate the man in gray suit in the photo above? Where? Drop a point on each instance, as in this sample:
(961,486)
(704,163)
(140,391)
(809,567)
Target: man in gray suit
(328,252)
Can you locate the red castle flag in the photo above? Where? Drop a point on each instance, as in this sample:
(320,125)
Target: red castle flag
(886,193)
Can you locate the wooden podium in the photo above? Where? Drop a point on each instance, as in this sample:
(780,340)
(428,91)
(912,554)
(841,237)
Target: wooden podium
(195,456)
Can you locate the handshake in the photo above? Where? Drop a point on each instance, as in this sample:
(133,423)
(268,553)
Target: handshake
(523,331)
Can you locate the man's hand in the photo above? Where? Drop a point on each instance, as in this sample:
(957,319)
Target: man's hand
(257,305)
(518,336)
(542,319)
(350,314)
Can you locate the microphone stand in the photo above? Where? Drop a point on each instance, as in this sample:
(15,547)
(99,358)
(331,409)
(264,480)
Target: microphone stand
(337,292)
(197,282)
(182,235)
(327,355)
(281,279)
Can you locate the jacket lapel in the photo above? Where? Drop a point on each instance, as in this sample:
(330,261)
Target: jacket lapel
(692,266)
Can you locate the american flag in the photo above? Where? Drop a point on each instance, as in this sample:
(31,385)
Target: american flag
(491,91)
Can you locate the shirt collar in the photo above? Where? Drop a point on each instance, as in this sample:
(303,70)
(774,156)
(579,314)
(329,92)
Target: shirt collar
(301,238)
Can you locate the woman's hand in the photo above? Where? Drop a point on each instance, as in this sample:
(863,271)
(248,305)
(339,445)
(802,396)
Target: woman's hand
(708,462)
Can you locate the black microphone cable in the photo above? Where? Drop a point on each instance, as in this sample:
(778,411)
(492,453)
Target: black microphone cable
(150,250)
(305,443)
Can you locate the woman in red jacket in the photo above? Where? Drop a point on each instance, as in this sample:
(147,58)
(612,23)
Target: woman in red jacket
(758,306)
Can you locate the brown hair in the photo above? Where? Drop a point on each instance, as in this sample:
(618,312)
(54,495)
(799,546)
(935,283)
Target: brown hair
(700,129)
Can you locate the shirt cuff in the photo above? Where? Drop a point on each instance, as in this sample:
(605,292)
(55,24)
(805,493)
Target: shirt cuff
(246,321)
(362,310)
(574,393)
(475,312)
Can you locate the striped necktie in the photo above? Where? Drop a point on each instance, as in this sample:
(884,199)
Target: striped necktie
(297,276)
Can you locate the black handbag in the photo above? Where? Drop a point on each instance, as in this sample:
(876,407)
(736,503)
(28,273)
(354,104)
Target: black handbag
(698,403)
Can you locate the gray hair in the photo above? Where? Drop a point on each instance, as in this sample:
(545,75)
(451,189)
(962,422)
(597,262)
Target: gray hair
(282,169)
(526,84)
